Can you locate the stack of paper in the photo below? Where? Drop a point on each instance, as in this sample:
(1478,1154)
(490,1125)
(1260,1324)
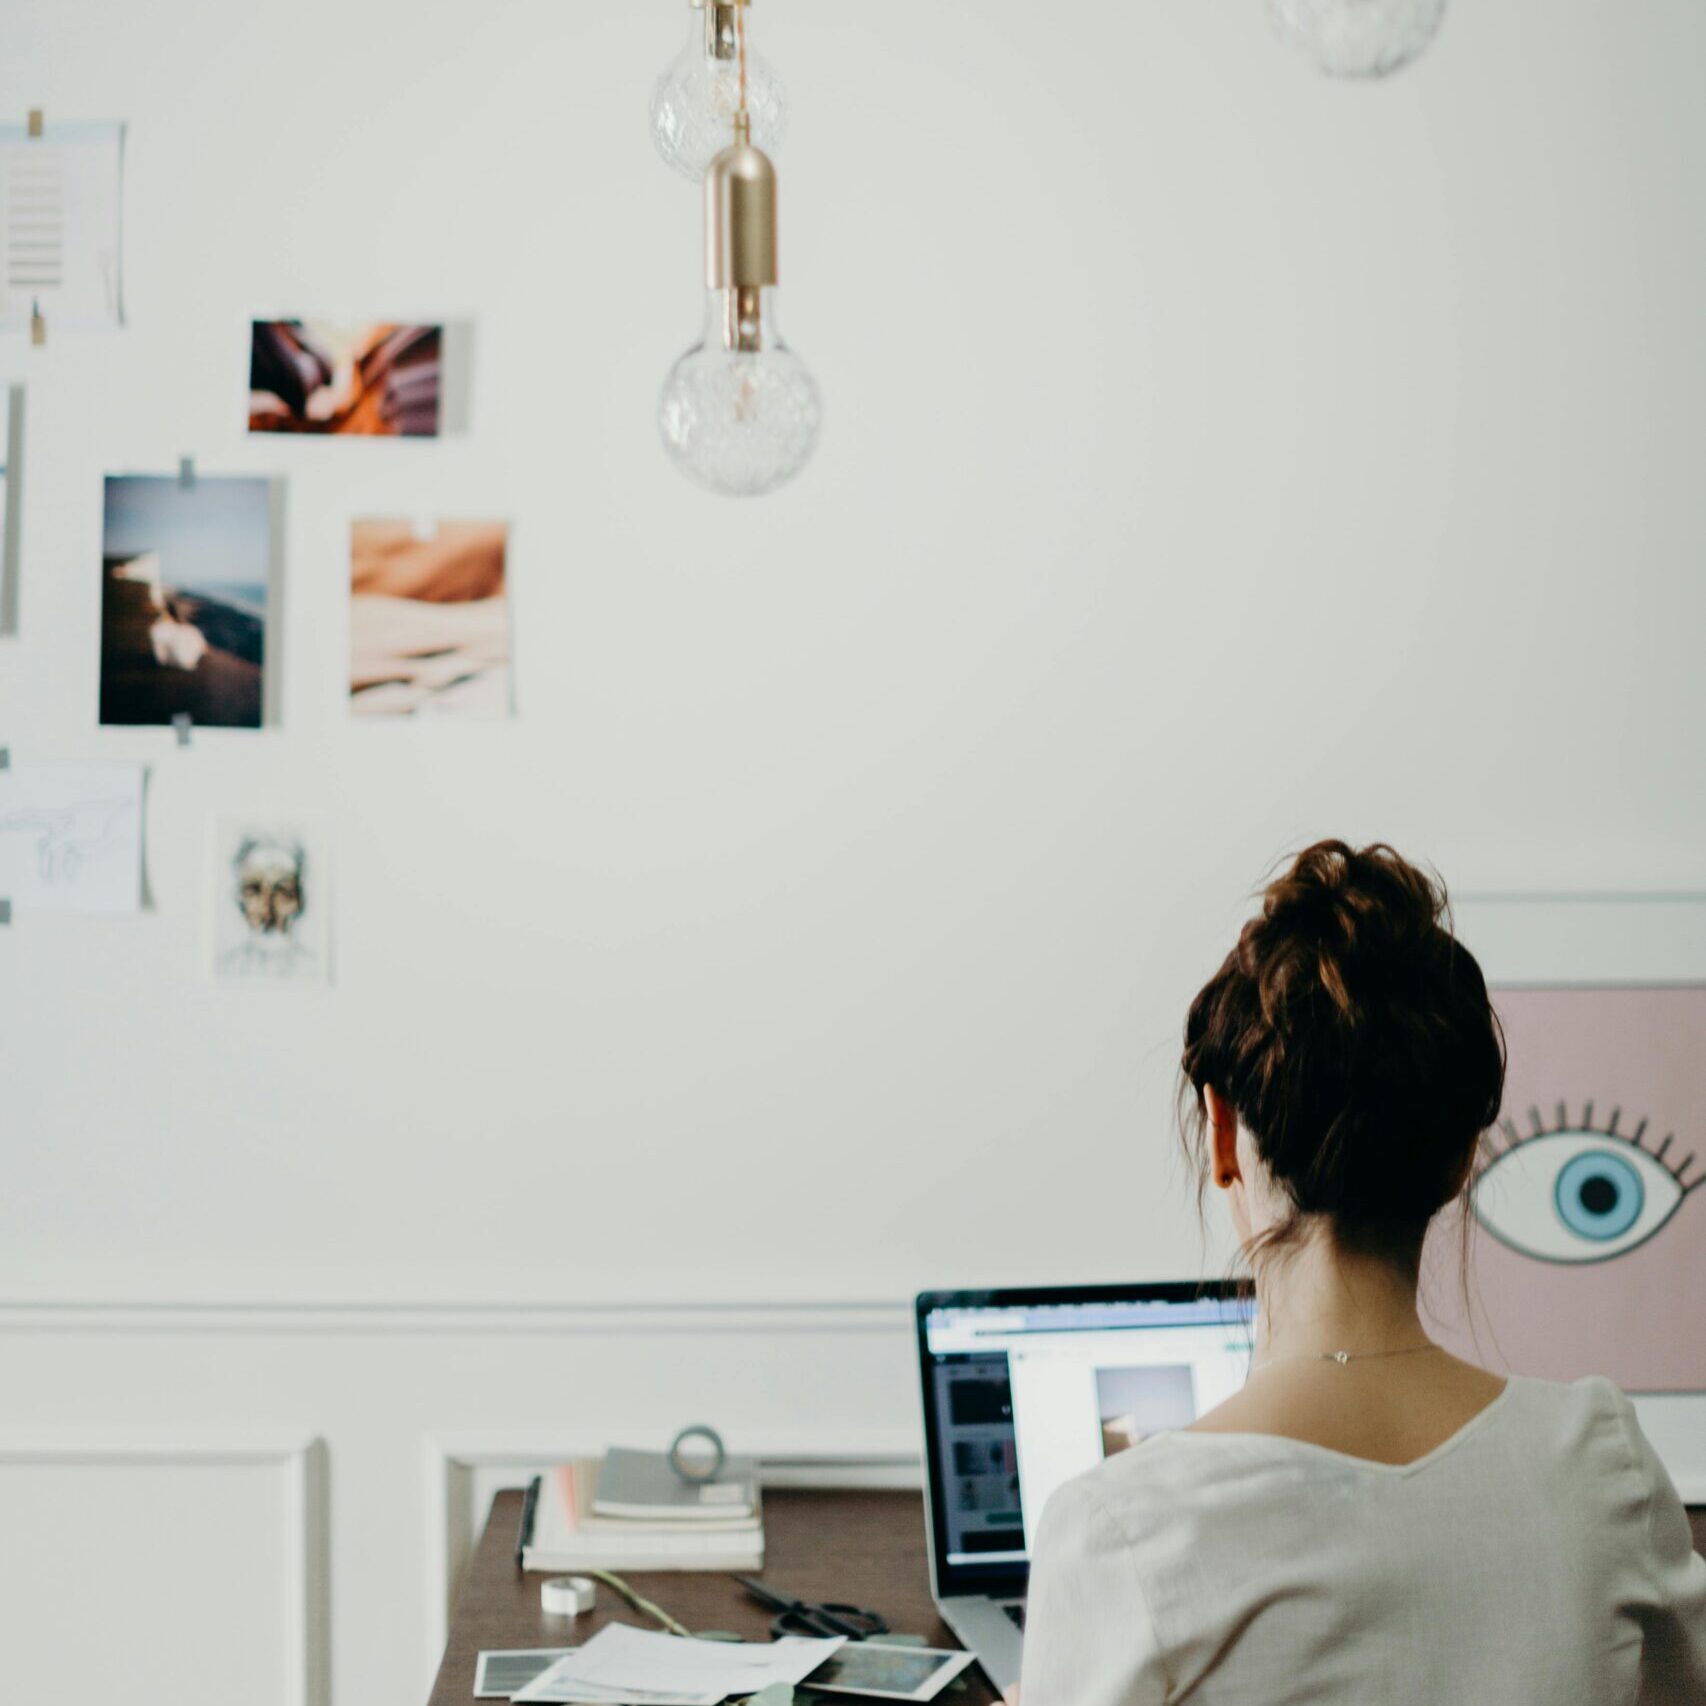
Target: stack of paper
(638,1666)
(658,1522)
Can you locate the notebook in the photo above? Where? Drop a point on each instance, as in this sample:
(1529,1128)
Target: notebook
(563,1532)
(644,1484)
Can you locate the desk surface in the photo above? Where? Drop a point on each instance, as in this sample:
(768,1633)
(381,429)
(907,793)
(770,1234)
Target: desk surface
(864,1548)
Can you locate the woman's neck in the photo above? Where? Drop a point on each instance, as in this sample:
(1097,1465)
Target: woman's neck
(1315,1297)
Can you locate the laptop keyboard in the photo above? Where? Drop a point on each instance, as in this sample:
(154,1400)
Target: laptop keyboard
(1015,1610)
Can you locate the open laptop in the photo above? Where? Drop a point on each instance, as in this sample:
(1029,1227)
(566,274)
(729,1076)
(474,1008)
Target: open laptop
(1024,1389)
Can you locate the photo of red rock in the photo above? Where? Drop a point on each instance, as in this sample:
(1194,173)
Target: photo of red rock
(368,381)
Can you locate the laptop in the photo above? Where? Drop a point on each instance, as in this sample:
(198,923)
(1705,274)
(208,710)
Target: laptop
(1023,1389)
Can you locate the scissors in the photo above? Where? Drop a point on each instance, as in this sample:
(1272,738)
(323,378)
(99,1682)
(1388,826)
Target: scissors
(799,1617)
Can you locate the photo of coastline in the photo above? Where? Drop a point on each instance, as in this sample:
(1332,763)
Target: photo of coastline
(363,381)
(429,618)
(184,599)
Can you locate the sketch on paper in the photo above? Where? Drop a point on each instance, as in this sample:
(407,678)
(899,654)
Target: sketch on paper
(1588,1223)
(60,226)
(71,838)
(271,904)
(429,619)
(360,381)
(184,571)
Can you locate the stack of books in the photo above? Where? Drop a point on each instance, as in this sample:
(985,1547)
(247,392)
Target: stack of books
(629,1510)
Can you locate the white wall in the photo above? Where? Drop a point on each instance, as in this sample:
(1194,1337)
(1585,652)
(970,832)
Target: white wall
(1215,457)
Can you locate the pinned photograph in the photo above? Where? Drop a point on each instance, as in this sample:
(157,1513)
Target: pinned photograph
(271,902)
(11,501)
(184,570)
(429,619)
(361,381)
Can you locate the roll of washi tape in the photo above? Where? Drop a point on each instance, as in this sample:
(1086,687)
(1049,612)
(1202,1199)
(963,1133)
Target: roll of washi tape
(568,1596)
(696,1454)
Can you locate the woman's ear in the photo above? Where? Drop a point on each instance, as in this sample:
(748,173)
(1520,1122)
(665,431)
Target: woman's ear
(1222,1138)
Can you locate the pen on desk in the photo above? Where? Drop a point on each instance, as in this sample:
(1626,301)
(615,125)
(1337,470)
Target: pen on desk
(524,1534)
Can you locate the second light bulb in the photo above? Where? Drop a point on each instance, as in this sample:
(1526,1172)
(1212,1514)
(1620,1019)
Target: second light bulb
(697,97)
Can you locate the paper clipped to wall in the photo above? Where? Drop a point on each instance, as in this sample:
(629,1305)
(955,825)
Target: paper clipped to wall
(60,226)
(71,838)
(269,892)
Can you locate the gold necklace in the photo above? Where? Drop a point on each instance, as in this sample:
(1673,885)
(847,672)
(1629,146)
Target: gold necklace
(1340,1357)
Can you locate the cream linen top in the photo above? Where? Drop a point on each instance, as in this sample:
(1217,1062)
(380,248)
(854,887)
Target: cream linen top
(1539,1557)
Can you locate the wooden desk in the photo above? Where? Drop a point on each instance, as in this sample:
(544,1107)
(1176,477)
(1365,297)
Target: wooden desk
(867,1548)
(863,1548)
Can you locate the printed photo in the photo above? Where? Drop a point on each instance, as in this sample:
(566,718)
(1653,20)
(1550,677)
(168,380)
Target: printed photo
(11,500)
(184,600)
(429,619)
(1587,1234)
(888,1673)
(270,893)
(1134,1403)
(370,381)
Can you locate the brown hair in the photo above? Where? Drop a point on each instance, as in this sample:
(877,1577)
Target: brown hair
(1352,1033)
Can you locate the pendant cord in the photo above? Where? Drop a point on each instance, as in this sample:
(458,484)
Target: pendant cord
(740,49)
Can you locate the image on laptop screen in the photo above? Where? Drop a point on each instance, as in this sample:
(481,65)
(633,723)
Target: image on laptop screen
(1023,1396)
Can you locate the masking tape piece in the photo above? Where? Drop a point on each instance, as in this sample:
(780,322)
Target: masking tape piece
(568,1596)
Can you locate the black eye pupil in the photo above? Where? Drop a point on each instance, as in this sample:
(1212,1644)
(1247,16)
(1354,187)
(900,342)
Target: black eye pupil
(1598,1195)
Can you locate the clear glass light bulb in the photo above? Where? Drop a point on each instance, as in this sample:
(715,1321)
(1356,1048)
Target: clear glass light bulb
(740,411)
(1357,38)
(696,99)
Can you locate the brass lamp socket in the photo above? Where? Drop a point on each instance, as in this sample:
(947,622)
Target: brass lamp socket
(721,42)
(740,217)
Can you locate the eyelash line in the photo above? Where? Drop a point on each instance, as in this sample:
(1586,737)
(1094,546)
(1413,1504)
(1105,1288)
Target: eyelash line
(1515,1139)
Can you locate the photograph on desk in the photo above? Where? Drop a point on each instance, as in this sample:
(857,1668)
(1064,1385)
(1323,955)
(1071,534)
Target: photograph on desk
(429,619)
(270,902)
(185,567)
(376,380)
(1588,1221)
(881,1672)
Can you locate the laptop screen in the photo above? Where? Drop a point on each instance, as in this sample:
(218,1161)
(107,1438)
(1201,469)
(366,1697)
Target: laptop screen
(1025,1389)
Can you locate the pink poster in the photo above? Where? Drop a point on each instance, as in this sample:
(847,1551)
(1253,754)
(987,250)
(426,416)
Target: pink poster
(1588,1231)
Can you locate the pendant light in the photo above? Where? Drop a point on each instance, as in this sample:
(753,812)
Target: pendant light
(1357,38)
(696,99)
(740,411)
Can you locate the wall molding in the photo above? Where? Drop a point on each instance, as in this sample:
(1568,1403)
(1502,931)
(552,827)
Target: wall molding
(297,1460)
(355,1315)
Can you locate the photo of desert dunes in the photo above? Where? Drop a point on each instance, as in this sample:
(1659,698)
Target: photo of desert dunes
(368,381)
(429,618)
(184,600)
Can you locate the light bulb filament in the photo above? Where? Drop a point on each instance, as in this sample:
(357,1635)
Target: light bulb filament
(743,321)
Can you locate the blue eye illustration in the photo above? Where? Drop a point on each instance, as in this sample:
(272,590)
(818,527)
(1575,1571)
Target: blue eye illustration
(1574,1192)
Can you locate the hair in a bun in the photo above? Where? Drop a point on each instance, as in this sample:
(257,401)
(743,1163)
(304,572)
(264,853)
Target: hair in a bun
(1353,1034)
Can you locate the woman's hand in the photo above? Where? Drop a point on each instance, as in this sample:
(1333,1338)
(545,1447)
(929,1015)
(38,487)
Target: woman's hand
(1011,1697)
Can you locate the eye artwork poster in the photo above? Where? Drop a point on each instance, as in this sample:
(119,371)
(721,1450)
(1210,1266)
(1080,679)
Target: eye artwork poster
(1587,1237)
(269,894)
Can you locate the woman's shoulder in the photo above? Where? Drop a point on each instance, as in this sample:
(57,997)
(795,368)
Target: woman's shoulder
(1537,1426)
